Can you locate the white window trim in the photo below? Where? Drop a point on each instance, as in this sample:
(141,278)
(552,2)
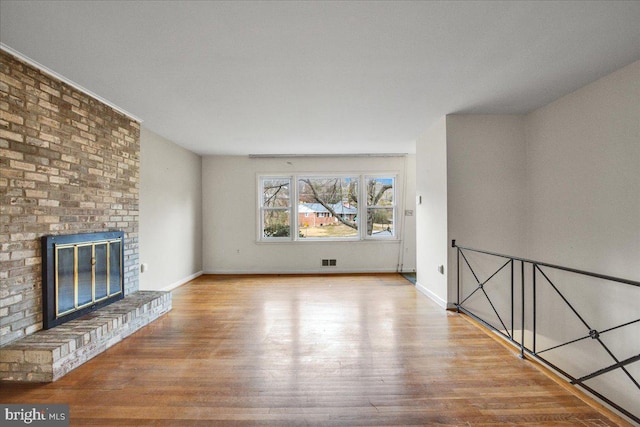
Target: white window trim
(262,209)
(293,208)
(394,207)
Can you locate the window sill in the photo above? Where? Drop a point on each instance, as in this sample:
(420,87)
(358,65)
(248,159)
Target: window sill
(332,241)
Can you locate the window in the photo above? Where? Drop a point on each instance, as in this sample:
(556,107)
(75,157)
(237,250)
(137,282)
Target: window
(380,206)
(327,207)
(275,207)
(334,200)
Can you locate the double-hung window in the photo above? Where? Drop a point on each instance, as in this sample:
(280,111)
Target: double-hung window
(275,208)
(380,206)
(327,207)
(332,205)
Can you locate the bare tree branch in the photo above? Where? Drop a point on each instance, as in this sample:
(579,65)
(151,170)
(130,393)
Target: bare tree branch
(275,194)
(316,196)
(375,199)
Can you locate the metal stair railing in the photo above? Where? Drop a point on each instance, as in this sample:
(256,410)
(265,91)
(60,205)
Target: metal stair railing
(532,275)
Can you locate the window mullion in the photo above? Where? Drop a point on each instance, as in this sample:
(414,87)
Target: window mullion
(293,208)
(362,208)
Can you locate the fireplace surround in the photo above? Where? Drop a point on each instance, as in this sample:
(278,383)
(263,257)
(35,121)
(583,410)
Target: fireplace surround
(80,273)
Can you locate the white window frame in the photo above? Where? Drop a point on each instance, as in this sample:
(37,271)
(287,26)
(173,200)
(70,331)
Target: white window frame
(394,206)
(294,226)
(262,209)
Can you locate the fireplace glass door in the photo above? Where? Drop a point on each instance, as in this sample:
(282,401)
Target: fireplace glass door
(86,273)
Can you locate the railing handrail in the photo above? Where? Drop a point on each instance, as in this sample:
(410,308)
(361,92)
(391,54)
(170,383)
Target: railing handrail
(546,264)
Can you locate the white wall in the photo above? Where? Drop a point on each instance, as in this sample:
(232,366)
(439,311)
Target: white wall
(486,187)
(471,177)
(486,181)
(584,175)
(408,259)
(559,185)
(170,213)
(583,155)
(230,218)
(431,214)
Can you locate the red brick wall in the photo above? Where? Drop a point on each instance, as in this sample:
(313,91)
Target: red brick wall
(313,220)
(68,164)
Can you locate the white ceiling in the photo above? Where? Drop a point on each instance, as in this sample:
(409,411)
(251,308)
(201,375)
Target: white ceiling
(321,77)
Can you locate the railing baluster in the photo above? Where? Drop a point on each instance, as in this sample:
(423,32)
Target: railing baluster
(512,300)
(534,302)
(595,334)
(458,272)
(522,299)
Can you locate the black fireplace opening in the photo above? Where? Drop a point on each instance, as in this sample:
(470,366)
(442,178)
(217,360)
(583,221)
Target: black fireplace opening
(80,273)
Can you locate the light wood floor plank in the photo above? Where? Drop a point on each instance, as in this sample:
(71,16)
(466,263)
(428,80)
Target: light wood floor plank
(339,350)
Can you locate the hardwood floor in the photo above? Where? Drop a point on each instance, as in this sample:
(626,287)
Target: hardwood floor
(309,350)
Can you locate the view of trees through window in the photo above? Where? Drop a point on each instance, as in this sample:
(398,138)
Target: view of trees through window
(276,207)
(327,207)
(380,206)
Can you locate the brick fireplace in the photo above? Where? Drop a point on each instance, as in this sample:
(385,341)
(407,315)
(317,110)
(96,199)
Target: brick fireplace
(69,167)
(68,164)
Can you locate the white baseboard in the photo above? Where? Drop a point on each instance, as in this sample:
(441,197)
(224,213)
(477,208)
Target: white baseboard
(325,270)
(181,282)
(429,294)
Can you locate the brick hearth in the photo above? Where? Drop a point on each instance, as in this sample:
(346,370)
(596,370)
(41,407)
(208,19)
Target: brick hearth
(48,355)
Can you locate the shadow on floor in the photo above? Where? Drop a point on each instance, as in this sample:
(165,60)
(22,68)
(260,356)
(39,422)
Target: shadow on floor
(410,277)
